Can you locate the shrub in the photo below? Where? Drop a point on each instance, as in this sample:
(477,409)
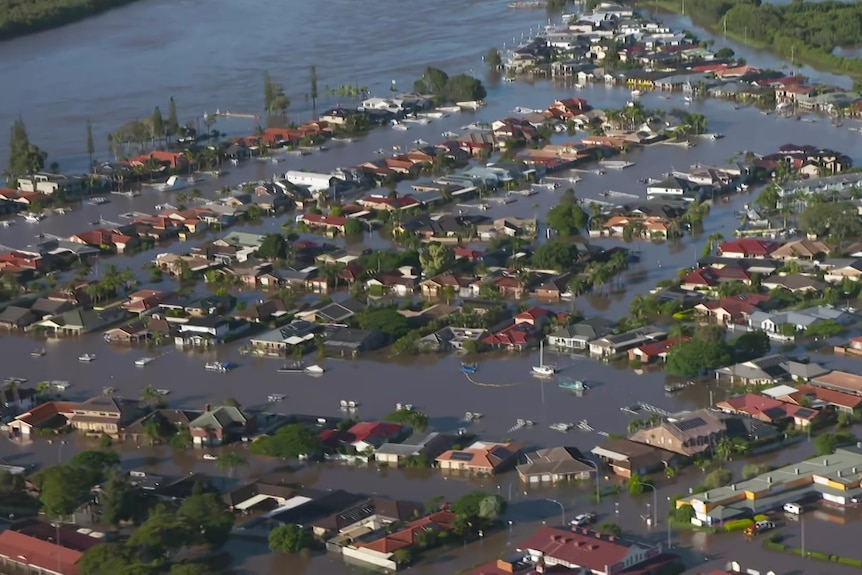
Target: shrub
(760,517)
(818,555)
(738,525)
(718,478)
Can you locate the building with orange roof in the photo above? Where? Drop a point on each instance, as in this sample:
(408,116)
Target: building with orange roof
(381,551)
(481,457)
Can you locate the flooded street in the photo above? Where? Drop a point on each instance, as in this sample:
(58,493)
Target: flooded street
(132,64)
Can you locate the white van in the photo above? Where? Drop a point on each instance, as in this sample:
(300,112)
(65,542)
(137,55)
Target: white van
(793,508)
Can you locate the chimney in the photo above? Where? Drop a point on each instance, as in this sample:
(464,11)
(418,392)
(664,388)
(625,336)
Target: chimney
(825,461)
(854,470)
(733,486)
(839,473)
(611,537)
(208,408)
(769,479)
(796,471)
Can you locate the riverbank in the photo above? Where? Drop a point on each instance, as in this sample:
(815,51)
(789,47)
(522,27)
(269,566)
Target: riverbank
(821,62)
(21,19)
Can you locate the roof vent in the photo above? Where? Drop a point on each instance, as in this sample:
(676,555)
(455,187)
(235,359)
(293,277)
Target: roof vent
(769,479)
(733,486)
(839,473)
(825,461)
(854,470)
(796,471)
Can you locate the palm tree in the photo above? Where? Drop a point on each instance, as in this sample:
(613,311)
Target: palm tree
(634,425)
(727,447)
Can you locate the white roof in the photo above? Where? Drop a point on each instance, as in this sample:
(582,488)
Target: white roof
(778,391)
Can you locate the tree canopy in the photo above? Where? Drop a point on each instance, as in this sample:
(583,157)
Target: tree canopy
(24,157)
(838,220)
(557,255)
(289,442)
(567,218)
(458,88)
(273,247)
(62,489)
(386,320)
(20,18)
(289,539)
(435,258)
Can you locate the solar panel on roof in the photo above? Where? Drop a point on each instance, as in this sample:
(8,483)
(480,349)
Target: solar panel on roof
(461,456)
(500,452)
(693,423)
(805,412)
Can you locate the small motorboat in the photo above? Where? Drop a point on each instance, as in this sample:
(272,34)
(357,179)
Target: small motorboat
(472,416)
(469,368)
(574,385)
(38,352)
(449,135)
(87,357)
(218,366)
(294,367)
(561,427)
(314,370)
(275,397)
(163,392)
(142,362)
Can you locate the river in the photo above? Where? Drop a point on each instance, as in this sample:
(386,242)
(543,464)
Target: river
(209,55)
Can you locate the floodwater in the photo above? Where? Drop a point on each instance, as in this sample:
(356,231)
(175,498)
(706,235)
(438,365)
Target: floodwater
(136,49)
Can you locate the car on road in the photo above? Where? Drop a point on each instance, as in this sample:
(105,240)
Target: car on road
(583,520)
(759,527)
(210,457)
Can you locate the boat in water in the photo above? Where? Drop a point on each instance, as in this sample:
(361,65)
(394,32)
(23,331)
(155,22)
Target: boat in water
(396,125)
(449,135)
(218,366)
(314,370)
(142,362)
(472,416)
(561,427)
(175,184)
(543,369)
(675,387)
(38,352)
(616,164)
(574,385)
(449,109)
(471,105)
(275,397)
(87,357)
(469,368)
(294,367)
(32,218)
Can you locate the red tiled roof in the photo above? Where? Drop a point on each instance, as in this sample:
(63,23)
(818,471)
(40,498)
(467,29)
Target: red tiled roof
(533,313)
(827,395)
(590,550)
(659,347)
(749,246)
(320,219)
(399,202)
(44,412)
(513,335)
(367,429)
(760,406)
(440,521)
(28,550)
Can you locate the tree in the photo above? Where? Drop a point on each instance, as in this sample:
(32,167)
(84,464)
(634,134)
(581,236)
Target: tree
(414,418)
(289,442)
(96,463)
(158,124)
(718,478)
(433,81)
(824,329)
(62,489)
(556,255)
(769,197)
(106,559)
(352,227)
(567,219)
(726,448)
(163,533)
(636,484)
(268,91)
(273,247)
(696,356)
(25,158)
(150,395)
(609,528)
(469,505)
(750,345)
(724,53)
(492,59)
(289,539)
(838,220)
(117,500)
(173,125)
(386,320)
(313,86)
(274,98)
(91,146)
(207,518)
(436,258)
(491,508)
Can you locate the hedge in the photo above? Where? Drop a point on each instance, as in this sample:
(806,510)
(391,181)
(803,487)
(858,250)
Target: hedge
(850,561)
(738,524)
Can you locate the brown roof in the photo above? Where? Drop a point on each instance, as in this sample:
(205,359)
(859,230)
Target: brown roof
(841,381)
(827,395)
(43,413)
(29,550)
(483,456)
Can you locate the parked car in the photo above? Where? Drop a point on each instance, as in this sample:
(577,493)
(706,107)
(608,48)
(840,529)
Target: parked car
(583,520)
(759,527)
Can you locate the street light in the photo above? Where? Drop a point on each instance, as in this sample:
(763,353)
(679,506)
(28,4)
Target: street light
(654,502)
(562,509)
(668,522)
(596,467)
